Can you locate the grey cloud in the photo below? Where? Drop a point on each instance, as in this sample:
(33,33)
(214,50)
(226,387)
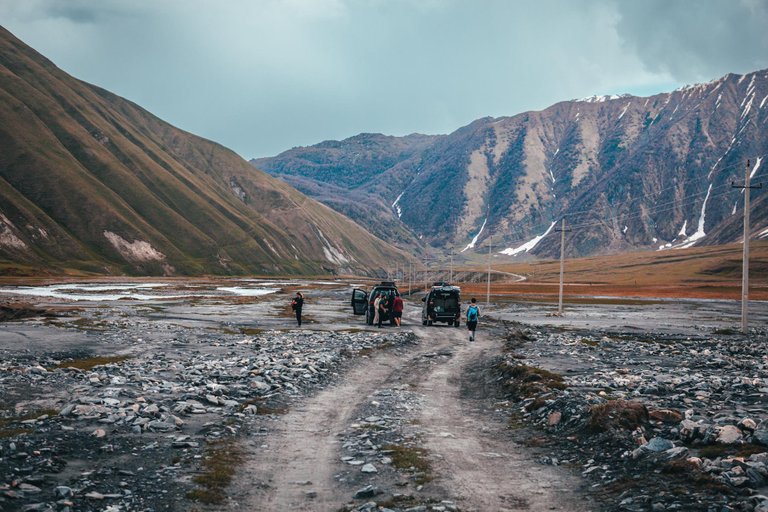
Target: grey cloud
(261,76)
(695,40)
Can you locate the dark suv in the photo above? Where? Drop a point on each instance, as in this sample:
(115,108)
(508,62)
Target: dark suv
(362,301)
(442,304)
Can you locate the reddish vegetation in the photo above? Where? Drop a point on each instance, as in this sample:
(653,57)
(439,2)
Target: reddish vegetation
(705,273)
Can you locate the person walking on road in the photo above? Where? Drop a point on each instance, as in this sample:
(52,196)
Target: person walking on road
(296,304)
(473,315)
(397,309)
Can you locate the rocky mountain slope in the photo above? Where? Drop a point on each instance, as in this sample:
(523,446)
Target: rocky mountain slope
(92,182)
(360,177)
(626,172)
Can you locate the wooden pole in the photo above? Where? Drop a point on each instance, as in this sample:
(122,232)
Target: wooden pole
(745,257)
(562,265)
(488,287)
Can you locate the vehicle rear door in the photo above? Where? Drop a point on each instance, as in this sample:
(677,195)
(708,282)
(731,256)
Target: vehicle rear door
(359,301)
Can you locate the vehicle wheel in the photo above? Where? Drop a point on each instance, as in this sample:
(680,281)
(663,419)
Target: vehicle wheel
(423,322)
(429,322)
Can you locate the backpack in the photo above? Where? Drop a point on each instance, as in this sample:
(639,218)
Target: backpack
(472,314)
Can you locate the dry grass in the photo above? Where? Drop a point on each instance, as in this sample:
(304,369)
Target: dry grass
(523,381)
(220,463)
(706,272)
(617,415)
(724,450)
(90,363)
(9,427)
(410,458)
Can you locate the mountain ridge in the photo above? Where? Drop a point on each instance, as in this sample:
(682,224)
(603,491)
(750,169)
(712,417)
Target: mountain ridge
(95,183)
(633,172)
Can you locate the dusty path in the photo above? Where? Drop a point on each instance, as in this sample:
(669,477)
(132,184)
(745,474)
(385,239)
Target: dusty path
(294,469)
(473,458)
(474,463)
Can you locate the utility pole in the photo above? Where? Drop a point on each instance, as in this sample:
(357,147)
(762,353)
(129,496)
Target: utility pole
(562,266)
(410,275)
(488,287)
(745,254)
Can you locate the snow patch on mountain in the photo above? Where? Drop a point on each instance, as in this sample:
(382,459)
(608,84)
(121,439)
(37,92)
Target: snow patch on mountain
(471,244)
(529,245)
(396,205)
(699,234)
(624,111)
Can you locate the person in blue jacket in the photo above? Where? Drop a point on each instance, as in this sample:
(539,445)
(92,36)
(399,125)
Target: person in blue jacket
(473,315)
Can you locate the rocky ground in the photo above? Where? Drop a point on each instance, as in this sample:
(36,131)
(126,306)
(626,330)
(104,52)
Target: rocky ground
(210,403)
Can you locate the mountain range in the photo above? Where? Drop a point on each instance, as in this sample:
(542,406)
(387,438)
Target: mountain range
(625,172)
(91,182)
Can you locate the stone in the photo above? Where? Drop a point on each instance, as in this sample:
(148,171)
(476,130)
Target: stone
(63,491)
(554,418)
(369,491)
(369,468)
(729,434)
(760,437)
(748,424)
(659,444)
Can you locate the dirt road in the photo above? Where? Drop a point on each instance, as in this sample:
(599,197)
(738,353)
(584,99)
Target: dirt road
(474,463)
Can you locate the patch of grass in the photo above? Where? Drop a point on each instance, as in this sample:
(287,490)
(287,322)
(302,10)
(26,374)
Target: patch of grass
(372,427)
(264,409)
(251,331)
(88,324)
(523,381)
(617,415)
(411,458)
(13,432)
(588,342)
(220,463)
(537,403)
(8,426)
(730,450)
(727,331)
(90,363)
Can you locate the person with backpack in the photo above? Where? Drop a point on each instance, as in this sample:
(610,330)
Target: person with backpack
(296,304)
(473,314)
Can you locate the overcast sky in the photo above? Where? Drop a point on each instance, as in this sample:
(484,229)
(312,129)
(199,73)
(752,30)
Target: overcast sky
(262,76)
